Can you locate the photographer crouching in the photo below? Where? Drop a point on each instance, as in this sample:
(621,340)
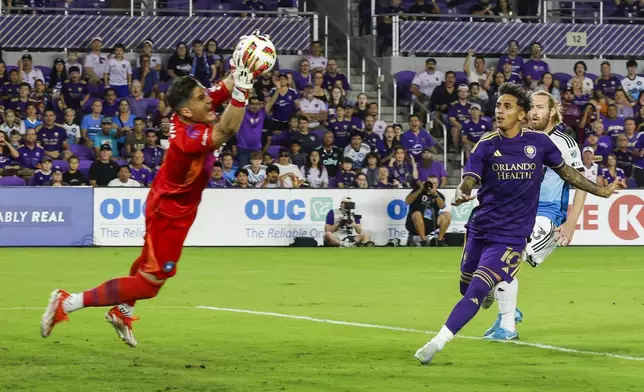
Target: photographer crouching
(424,216)
(342,228)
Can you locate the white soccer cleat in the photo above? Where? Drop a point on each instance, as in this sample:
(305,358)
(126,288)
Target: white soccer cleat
(54,313)
(426,353)
(122,325)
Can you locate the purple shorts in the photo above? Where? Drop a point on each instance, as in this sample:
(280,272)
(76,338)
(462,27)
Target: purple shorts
(490,260)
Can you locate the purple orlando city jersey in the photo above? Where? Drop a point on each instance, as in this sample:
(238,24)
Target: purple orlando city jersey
(510,172)
(284,107)
(613,127)
(474,130)
(52,139)
(608,86)
(414,143)
(142,175)
(517,63)
(535,69)
(459,111)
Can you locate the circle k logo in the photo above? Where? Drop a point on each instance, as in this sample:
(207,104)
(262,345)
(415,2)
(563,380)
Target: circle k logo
(626,217)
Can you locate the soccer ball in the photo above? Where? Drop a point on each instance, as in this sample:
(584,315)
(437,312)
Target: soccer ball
(257,53)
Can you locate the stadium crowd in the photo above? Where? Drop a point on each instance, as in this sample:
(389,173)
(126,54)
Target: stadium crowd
(604,113)
(104,121)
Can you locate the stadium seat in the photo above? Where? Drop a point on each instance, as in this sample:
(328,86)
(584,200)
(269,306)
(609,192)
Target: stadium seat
(287,71)
(404,78)
(274,151)
(97,91)
(562,78)
(592,77)
(618,76)
(332,182)
(163,87)
(12,181)
(11,68)
(83,167)
(46,71)
(631,183)
(320,133)
(121,161)
(60,164)
(461,78)
(82,152)
(152,105)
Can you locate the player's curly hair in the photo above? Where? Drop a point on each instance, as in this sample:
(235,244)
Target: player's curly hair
(523,99)
(180,92)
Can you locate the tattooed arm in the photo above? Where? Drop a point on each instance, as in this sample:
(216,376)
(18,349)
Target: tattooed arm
(464,190)
(576,179)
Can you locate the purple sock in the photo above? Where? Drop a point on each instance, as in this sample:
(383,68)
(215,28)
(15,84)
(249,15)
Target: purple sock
(468,306)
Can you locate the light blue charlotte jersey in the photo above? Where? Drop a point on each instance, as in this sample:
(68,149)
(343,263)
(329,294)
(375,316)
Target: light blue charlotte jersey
(554,193)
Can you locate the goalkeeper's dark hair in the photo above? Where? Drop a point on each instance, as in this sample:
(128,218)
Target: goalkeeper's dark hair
(523,99)
(180,92)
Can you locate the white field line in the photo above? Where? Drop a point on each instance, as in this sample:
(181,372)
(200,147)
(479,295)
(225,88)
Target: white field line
(386,327)
(362,325)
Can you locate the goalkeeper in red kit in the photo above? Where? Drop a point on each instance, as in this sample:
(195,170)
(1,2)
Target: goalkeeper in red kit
(173,199)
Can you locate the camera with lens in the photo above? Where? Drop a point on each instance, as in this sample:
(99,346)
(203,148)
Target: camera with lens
(428,186)
(349,216)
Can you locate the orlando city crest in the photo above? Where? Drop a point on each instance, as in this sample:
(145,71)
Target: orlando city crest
(530,151)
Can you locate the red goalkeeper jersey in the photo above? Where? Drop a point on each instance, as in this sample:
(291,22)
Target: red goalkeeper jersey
(177,187)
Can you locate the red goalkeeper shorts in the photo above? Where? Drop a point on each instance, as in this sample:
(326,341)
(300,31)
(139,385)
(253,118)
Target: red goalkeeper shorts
(164,238)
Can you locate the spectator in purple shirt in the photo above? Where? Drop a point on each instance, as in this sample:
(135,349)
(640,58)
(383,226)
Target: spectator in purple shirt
(427,167)
(152,153)
(534,68)
(11,87)
(473,129)
(30,154)
(510,75)
(217,179)
(52,138)
(138,104)
(111,104)
(458,113)
(304,77)
(511,58)
(140,172)
(625,158)
(345,177)
(386,146)
(332,76)
(8,156)
(402,169)
(416,138)
(19,103)
(607,84)
(249,137)
(611,172)
(75,93)
(282,103)
(613,125)
(43,175)
(369,136)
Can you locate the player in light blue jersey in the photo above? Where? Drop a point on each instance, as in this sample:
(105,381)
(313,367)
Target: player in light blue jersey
(553,226)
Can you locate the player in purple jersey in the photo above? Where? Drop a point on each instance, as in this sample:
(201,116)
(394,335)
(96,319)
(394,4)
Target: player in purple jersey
(509,165)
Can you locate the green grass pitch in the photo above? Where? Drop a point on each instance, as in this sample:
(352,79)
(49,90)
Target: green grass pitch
(586,299)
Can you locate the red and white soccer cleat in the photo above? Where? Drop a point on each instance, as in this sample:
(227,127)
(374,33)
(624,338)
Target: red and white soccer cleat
(122,325)
(54,313)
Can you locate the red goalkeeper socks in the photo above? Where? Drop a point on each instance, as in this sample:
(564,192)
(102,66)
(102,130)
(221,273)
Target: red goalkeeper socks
(126,289)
